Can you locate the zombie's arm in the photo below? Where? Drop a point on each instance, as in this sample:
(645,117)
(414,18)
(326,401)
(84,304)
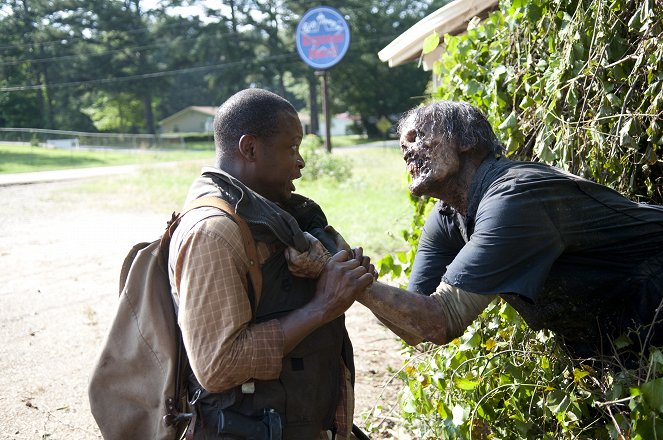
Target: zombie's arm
(438,318)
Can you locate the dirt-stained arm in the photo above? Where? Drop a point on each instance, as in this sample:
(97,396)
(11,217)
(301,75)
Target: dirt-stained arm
(418,317)
(438,318)
(408,337)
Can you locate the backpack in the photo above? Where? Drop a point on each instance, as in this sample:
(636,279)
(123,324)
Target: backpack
(135,387)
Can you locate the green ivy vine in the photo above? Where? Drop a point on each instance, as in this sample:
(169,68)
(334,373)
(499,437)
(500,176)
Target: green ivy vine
(577,84)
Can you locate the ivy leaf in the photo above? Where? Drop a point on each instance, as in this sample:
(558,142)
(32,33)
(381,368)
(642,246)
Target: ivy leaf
(499,71)
(470,341)
(458,415)
(473,88)
(653,393)
(430,43)
(657,357)
(572,98)
(622,341)
(635,21)
(625,138)
(510,121)
(466,384)
(578,375)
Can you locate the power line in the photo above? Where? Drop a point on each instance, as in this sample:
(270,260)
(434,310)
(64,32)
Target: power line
(69,57)
(66,57)
(166,73)
(145,75)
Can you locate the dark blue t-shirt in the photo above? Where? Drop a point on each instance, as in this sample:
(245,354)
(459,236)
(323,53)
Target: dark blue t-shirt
(555,245)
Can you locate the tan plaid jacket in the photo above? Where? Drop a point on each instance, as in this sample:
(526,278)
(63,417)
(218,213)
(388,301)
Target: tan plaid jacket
(225,348)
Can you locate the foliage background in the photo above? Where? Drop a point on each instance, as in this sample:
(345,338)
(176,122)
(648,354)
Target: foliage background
(122,65)
(576,84)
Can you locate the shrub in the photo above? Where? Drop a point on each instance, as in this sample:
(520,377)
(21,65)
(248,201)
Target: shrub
(320,163)
(502,380)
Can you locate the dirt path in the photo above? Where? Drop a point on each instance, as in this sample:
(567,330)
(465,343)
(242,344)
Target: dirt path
(60,264)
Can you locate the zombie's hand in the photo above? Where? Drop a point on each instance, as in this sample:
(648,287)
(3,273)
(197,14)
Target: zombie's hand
(354,253)
(340,242)
(307,264)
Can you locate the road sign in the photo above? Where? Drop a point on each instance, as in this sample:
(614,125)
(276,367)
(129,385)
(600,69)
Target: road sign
(323,37)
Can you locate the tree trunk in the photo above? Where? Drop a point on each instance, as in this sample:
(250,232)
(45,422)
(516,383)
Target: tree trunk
(149,115)
(47,101)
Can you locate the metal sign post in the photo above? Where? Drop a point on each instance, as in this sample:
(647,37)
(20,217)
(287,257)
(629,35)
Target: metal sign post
(325,108)
(323,38)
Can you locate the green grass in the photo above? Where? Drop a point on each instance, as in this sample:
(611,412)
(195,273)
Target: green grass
(25,158)
(370,209)
(349,140)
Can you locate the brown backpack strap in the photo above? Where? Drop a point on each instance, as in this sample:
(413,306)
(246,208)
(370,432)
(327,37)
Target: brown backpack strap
(255,275)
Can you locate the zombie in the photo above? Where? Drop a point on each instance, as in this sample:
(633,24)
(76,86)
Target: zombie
(568,254)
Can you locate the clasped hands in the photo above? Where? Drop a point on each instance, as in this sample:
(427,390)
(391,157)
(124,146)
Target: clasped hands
(311,263)
(341,277)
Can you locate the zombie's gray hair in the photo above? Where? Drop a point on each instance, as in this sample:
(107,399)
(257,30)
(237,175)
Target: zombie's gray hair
(454,122)
(250,111)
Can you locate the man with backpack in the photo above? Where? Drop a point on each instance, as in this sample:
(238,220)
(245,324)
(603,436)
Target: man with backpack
(276,359)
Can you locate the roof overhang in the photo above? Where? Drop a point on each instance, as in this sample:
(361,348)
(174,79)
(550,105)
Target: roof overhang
(451,18)
(205,110)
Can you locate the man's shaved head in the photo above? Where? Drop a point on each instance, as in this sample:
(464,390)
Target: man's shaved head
(252,111)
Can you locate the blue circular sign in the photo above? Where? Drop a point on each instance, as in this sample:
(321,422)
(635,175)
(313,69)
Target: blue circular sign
(323,37)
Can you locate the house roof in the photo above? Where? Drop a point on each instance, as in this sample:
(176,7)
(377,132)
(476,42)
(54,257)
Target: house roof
(206,110)
(451,18)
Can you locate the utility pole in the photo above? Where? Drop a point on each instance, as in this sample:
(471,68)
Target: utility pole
(325,107)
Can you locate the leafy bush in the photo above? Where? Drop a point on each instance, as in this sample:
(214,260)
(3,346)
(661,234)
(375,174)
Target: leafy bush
(502,380)
(320,163)
(577,84)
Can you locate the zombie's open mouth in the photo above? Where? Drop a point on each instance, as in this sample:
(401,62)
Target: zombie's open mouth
(416,165)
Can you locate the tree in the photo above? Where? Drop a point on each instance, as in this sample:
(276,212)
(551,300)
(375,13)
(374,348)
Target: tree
(568,88)
(38,41)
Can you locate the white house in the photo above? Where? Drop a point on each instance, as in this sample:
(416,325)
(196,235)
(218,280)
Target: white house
(192,119)
(200,119)
(340,123)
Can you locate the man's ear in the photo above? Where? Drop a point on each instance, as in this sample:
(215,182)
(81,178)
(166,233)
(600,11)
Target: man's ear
(247,147)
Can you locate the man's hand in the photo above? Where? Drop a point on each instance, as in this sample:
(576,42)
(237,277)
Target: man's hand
(341,280)
(358,254)
(307,264)
(355,253)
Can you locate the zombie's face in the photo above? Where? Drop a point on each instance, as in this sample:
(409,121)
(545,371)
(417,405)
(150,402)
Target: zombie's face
(430,160)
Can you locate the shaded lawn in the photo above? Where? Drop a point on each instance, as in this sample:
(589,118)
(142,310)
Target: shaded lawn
(26,158)
(370,209)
